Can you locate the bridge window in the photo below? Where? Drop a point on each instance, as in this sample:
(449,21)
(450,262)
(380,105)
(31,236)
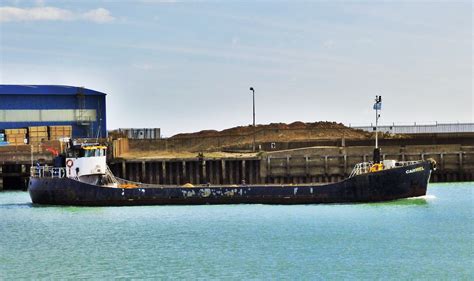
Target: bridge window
(93,152)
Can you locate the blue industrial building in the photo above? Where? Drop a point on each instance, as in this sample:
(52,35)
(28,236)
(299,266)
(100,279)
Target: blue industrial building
(22,106)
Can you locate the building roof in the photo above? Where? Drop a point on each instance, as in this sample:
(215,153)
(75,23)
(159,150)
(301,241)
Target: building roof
(46,90)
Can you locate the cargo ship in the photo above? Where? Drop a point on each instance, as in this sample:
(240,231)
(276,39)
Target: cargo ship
(86,180)
(81,177)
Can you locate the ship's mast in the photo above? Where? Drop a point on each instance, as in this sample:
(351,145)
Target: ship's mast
(377,107)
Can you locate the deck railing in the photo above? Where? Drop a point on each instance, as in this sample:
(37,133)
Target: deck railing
(47,172)
(406,163)
(361,168)
(364,167)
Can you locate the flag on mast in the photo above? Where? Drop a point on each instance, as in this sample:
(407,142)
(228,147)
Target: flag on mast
(378,106)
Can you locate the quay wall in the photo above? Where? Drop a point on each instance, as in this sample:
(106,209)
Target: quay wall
(317,164)
(301,165)
(16,160)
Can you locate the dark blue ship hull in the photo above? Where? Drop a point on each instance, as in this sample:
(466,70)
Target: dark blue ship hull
(391,184)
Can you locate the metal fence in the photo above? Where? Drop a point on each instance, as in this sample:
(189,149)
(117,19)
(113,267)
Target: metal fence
(421,128)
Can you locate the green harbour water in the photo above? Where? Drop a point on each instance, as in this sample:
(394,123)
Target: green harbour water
(428,238)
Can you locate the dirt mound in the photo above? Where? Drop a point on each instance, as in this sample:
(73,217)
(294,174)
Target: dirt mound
(326,129)
(241,138)
(204,133)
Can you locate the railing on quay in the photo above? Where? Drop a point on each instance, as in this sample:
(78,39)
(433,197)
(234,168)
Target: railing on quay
(417,128)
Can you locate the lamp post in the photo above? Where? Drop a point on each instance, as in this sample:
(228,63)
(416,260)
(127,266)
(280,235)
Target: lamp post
(253,94)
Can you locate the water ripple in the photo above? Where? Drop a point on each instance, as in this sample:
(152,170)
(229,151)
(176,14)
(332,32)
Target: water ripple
(417,238)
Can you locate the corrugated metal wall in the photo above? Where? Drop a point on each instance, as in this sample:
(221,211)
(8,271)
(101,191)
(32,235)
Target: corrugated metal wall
(46,115)
(423,128)
(20,111)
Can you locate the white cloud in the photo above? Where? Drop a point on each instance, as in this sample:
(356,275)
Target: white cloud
(34,14)
(13,14)
(99,15)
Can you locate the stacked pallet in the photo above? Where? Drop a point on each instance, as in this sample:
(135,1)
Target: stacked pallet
(15,136)
(58,132)
(37,134)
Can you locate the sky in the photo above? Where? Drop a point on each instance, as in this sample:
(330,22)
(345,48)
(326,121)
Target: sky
(187,66)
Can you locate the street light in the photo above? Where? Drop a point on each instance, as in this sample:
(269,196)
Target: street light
(254,130)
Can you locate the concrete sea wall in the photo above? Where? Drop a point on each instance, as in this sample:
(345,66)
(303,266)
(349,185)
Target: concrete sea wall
(320,164)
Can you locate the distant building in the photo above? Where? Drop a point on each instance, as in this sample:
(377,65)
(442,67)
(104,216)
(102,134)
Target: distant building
(22,106)
(141,133)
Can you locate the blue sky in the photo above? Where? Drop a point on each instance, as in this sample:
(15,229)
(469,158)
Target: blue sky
(188,66)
